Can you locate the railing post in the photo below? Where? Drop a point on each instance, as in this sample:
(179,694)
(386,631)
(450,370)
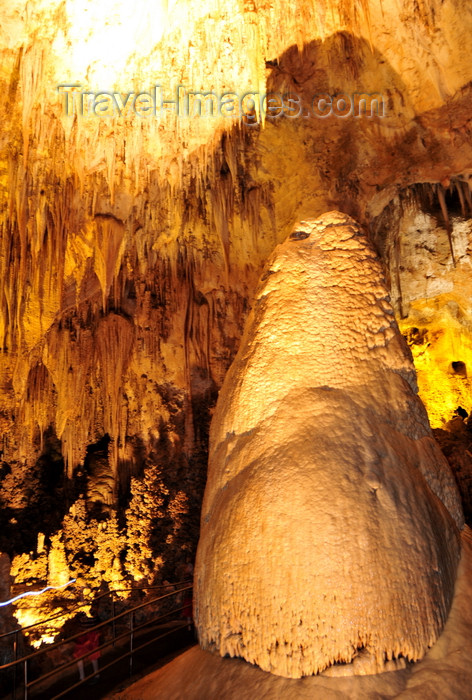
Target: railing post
(15,658)
(26,678)
(131,642)
(113,616)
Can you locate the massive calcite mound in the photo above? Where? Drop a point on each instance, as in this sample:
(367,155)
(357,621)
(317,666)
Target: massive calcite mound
(330,518)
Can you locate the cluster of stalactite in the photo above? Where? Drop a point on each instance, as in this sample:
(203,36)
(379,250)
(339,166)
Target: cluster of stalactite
(445,202)
(86,297)
(118,324)
(116,336)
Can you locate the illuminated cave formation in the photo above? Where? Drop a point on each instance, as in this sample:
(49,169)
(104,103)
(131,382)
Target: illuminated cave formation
(323,474)
(131,248)
(427,247)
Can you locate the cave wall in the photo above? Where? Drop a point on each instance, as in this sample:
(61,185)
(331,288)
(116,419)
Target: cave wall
(130,247)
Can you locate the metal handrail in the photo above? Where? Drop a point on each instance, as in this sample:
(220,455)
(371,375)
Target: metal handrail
(120,658)
(93,602)
(49,647)
(129,633)
(99,648)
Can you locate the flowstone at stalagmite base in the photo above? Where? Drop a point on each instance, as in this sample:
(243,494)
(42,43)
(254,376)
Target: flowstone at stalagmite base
(330,522)
(445,673)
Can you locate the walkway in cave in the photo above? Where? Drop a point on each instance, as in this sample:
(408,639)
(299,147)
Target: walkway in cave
(118,676)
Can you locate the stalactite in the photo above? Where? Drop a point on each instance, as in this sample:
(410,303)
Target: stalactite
(219,203)
(31,77)
(114,337)
(37,406)
(396,265)
(69,356)
(447,222)
(468,190)
(458,185)
(109,236)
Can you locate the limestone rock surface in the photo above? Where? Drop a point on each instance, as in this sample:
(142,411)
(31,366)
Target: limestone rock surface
(330,518)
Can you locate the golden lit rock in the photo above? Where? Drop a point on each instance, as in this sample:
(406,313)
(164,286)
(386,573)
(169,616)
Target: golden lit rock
(426,241)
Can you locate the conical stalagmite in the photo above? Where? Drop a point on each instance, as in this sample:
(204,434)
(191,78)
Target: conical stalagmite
(330,518)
